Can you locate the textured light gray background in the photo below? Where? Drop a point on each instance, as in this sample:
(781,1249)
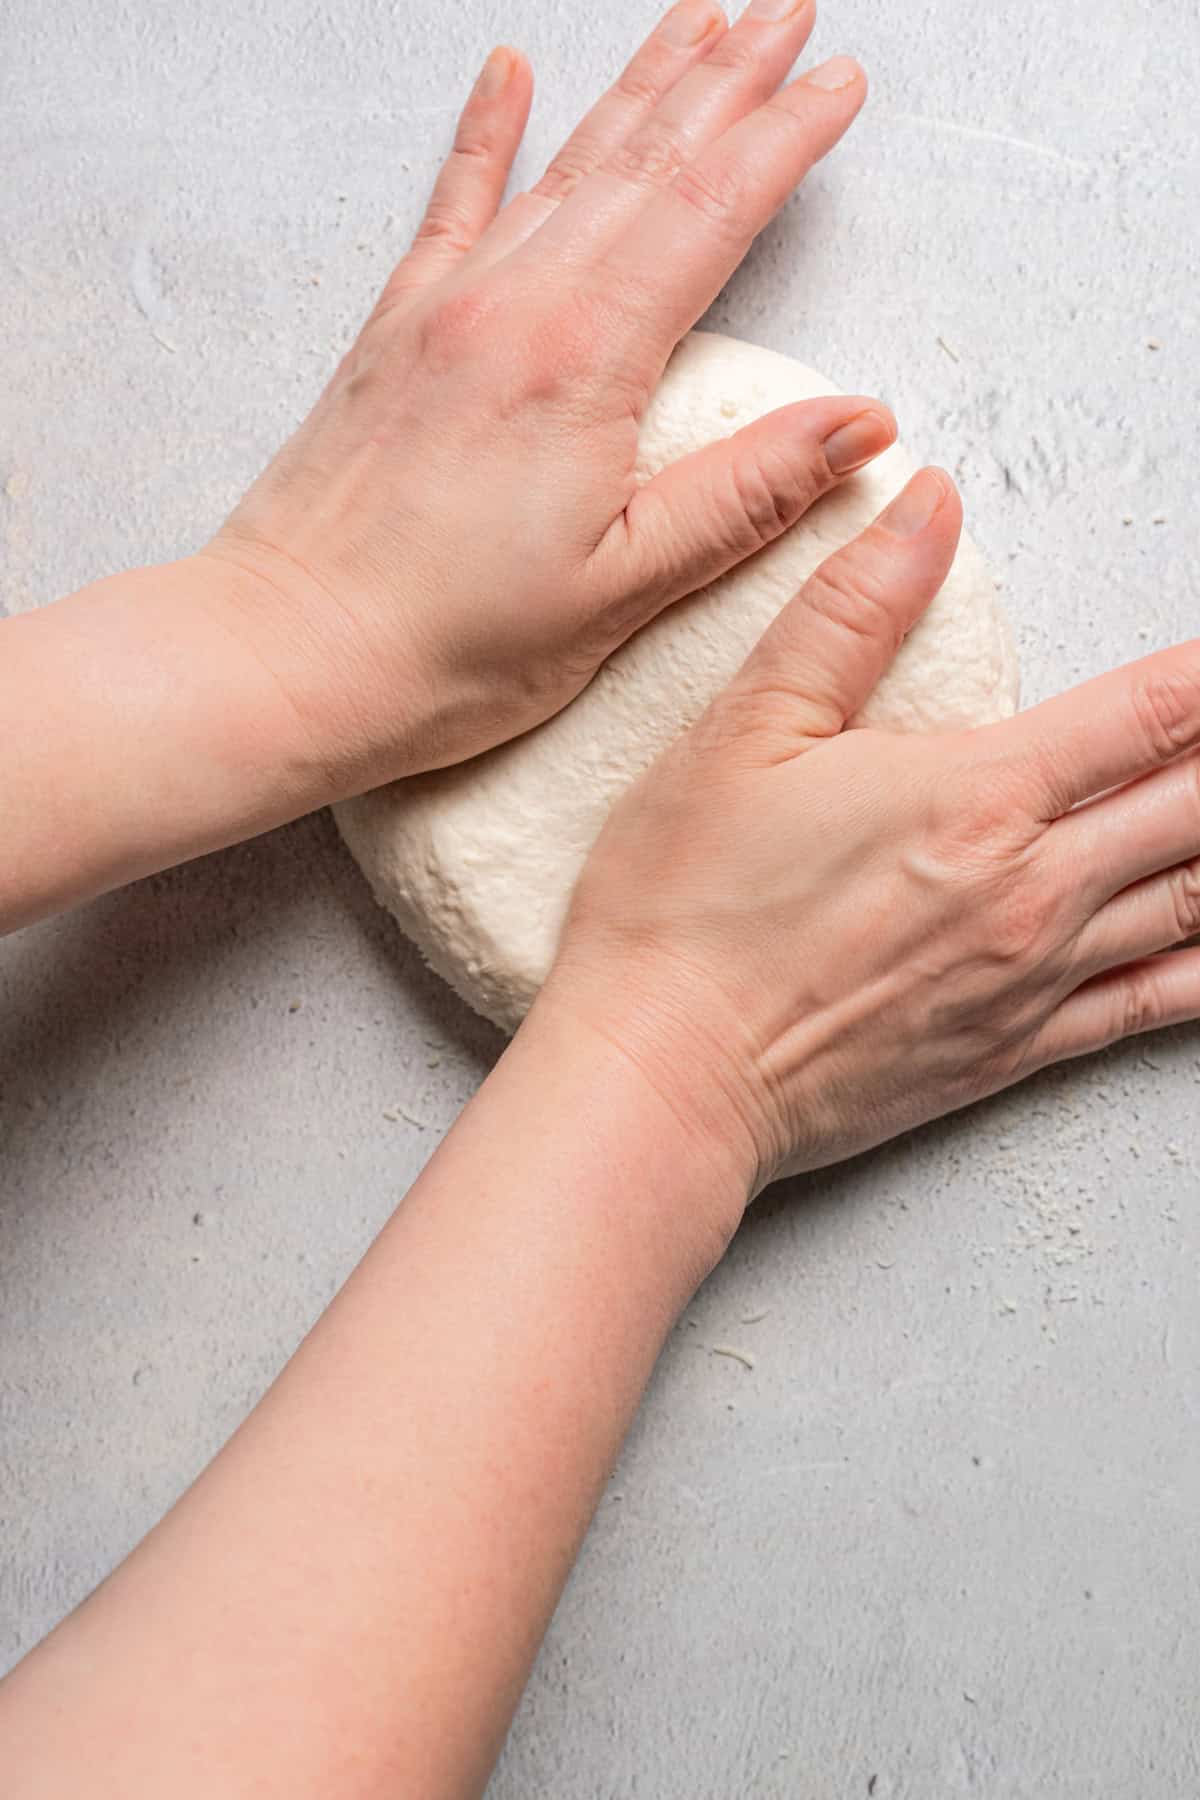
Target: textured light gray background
(944,1538)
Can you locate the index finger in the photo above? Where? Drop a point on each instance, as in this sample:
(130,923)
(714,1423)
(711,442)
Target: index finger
(1109,731)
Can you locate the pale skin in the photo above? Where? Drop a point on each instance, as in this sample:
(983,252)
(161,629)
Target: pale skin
(794,940)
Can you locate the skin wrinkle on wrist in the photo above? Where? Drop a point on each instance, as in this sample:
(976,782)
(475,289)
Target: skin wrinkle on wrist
(313,756)
(729,1156)
(337,750)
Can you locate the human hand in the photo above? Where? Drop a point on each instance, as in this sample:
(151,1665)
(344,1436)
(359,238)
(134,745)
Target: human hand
(812,938)
(454,540)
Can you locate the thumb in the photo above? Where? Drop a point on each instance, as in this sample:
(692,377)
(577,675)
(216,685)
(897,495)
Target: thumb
(707,512)
(828,649)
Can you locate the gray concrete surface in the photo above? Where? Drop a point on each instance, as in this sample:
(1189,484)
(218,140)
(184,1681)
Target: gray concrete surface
(944,1539)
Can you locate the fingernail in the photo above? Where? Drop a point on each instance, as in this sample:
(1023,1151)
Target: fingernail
(912,510)
(841,72)
(776,9)
(690,23)
(493,77)
(858,442)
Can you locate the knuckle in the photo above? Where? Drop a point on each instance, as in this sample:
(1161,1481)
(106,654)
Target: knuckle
(1015,899)
(555,357)
(735,54)
(766,494)
(714,191)
(639,84)
(980,814)
(1020,923)
(1019,1051)
(1042,773)
(572,165)
(980,1065)
(653,157)
(854,597)
(472,145)
(401,291)
(445,226)
(455,324)
(1137,1007)
(1183,890)
(735,720)
(785,114)
(561,347)
(1167,708)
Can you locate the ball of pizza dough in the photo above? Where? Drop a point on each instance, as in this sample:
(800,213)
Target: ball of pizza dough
(478,862)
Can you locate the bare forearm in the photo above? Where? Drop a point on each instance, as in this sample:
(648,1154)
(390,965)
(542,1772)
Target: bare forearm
(349,1599)
(151,718)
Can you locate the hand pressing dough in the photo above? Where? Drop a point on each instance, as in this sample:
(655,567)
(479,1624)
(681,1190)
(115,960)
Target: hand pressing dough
(477,862)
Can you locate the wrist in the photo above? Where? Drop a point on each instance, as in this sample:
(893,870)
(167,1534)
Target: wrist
(696,1156)
(358,719)
(145,734)
(277,620)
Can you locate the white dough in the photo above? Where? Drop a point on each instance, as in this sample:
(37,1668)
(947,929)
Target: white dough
(477,863)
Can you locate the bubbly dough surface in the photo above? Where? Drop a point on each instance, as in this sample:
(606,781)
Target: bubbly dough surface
(478,862)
